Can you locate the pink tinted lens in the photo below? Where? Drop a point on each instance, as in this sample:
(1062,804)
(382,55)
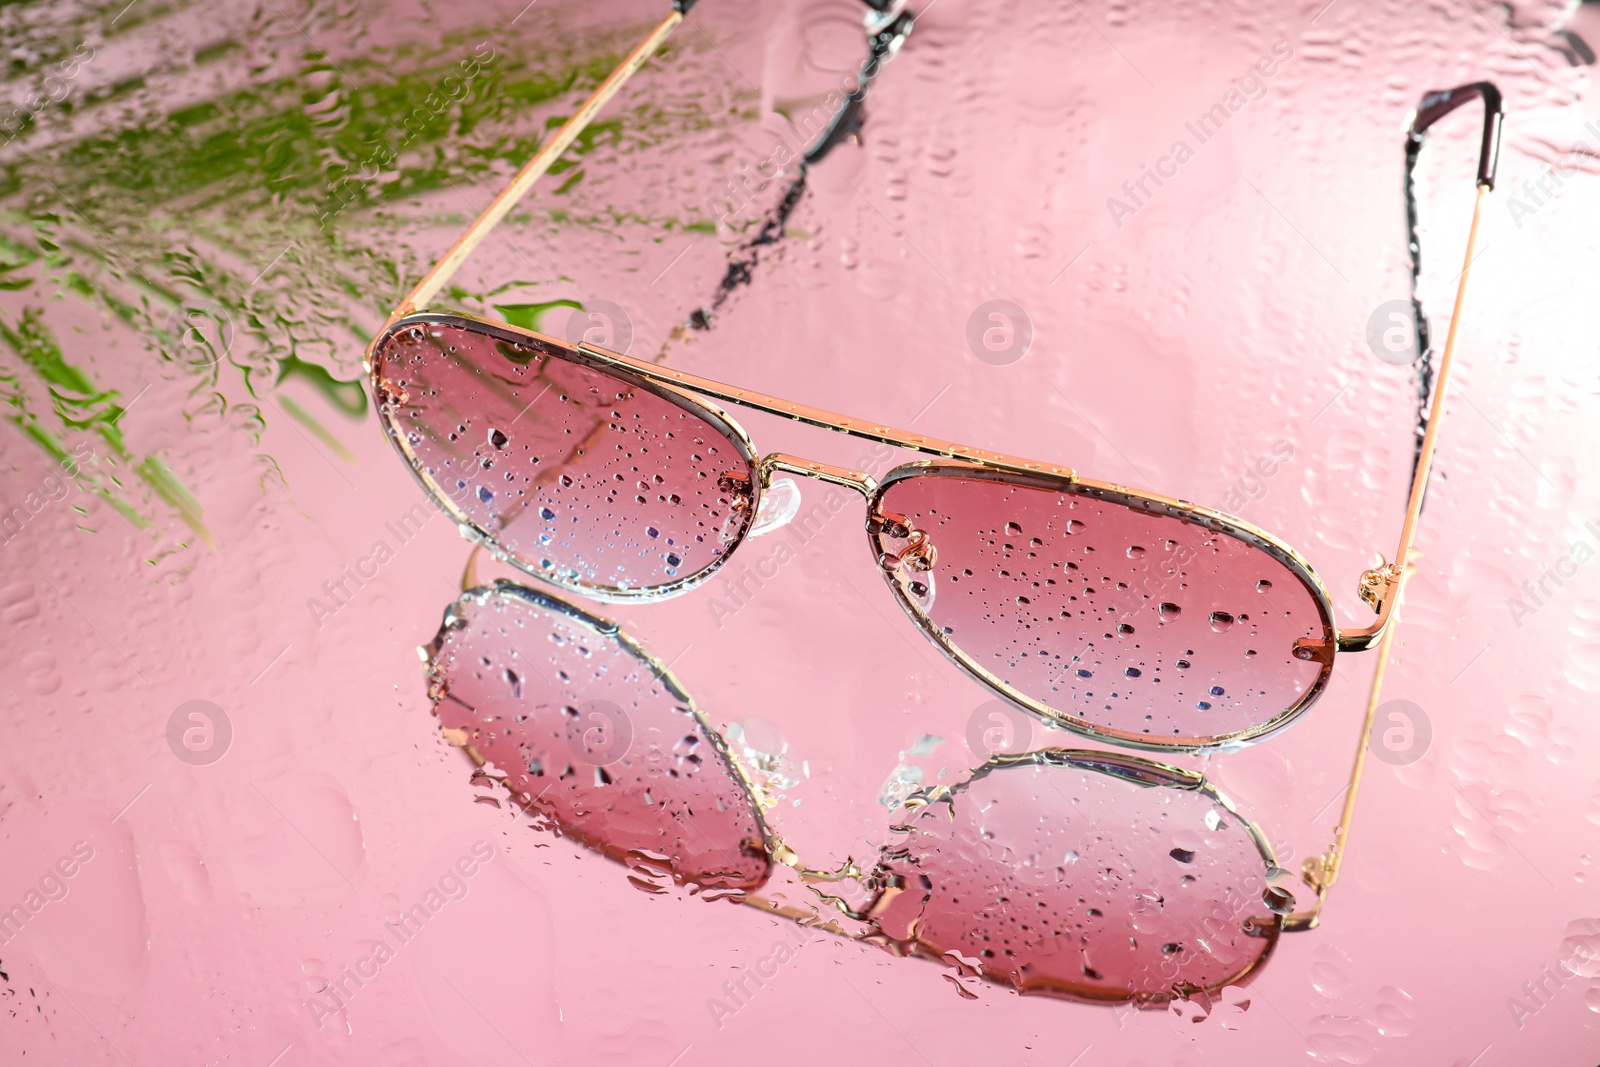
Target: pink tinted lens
(1157,629)
(582,477)
(1064,880)
(590,737)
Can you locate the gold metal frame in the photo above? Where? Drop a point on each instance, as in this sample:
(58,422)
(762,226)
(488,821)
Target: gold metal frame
(1380,586)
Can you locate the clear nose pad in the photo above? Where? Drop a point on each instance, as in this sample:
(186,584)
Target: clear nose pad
(912,568)
(780,503)
(918,585)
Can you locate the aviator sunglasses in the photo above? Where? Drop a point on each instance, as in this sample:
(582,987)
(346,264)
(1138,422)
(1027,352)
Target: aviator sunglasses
(1122,615)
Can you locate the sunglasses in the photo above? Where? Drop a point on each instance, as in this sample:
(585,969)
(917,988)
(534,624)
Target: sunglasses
(1122,615)
(1089,876)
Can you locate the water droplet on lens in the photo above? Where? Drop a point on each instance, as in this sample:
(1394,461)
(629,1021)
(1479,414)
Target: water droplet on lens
(498,439)
(546,514)
(1132,672)
(1135,552)
(1013,529)
(1263,586)
(1168,612)
(485,494)
(1182,855)
(1221,621)
(1074,526)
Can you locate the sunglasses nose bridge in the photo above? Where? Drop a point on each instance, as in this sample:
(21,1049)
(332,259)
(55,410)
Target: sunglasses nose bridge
(860,481)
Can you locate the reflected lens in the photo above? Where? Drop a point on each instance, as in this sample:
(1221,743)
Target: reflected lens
(591,736)
(584,477)
(1062,874)
(1128,623)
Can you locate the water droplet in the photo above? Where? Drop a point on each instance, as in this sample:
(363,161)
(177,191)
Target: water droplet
(1168,612)
(1074,526)
(485,494)
(1135,552)
(1263,586)
(1013,529)
(498,439)
(546,514)
(1221,621)
(1182,855)
(1132,672)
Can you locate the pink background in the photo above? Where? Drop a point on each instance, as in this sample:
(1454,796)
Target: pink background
(1225,316)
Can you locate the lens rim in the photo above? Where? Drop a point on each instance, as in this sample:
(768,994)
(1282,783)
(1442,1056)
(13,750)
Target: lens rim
(1138,771)
(1138,501)
(714,416)
(608,630)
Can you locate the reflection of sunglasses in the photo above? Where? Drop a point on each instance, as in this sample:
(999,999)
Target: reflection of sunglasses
(1089,875)
(1123,615)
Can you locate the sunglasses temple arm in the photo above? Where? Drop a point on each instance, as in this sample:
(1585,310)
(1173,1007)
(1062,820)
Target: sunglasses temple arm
(1322,871)
(1380,586)
(441,272)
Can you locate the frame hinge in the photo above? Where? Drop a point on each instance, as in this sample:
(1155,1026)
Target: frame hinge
(1377,584)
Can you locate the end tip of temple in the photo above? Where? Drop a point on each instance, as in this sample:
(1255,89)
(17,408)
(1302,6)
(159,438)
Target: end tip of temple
(1441,102)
